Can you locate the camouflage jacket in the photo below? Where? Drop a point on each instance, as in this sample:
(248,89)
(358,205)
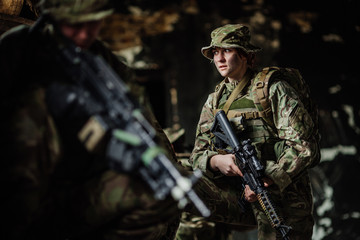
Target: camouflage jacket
(42,165)
(285,150)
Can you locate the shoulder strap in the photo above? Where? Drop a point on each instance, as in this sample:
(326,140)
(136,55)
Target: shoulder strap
(237,91)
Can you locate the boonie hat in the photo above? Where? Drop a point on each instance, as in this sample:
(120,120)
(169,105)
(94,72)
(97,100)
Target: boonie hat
(230,36)
(76,11)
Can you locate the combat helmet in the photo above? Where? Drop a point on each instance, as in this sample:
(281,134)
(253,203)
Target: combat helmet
(75,11)
(230,36)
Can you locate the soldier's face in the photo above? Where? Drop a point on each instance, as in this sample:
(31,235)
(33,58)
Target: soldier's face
(82,34)
(229,63)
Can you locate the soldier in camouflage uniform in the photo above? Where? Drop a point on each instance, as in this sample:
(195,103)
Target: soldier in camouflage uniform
(51,187)
(286,147)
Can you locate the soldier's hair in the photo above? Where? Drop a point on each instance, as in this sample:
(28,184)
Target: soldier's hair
(249,56)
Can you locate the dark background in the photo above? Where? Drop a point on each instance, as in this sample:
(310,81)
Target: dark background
(161,40)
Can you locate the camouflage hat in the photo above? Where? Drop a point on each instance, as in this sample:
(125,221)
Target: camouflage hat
(75,11)
(230,36)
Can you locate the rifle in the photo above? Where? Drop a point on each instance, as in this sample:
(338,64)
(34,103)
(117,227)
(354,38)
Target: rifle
(117,124)
(251,168)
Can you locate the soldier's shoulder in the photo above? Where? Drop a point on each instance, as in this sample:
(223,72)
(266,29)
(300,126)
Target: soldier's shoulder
(281,85)
(15,33)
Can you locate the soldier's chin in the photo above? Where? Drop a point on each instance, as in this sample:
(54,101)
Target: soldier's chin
(223,73)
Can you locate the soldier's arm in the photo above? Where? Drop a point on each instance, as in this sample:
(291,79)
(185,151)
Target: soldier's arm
(202,152)
(31,150)
(294,125)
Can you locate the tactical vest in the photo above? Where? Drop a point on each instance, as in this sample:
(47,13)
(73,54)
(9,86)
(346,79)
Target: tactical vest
(243,106)
(254,106)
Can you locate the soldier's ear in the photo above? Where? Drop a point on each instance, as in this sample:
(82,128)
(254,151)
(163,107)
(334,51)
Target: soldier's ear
(251,59)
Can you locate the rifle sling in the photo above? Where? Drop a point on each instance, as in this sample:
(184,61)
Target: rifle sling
(237,91)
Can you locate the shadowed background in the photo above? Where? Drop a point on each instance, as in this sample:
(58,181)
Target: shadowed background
(161,41)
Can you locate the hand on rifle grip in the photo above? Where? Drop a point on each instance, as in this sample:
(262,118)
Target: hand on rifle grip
(225,164)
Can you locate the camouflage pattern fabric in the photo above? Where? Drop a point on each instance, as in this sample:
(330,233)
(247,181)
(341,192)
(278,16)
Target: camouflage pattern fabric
(286,152)
(76,11)
(195,227)
(53,189)
(221,197)
(230,36)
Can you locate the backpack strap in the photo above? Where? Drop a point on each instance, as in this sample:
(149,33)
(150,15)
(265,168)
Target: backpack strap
(261,93)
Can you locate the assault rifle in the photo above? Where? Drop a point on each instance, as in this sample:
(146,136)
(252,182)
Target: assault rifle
(116,123)
(251,169)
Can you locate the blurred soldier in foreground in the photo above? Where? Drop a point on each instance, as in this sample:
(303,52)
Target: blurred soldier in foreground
(52,188)
(281,123)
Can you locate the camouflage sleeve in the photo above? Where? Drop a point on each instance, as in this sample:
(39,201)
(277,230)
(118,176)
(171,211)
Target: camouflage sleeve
(31,150)
(201,153)
(295,127)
